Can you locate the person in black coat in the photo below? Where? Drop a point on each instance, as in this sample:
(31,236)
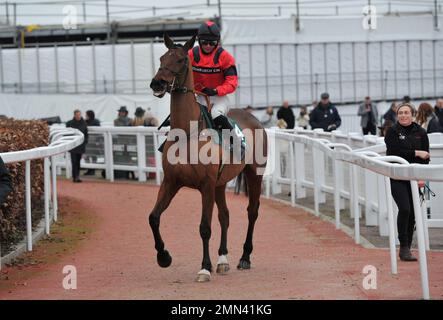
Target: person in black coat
(91,121)
(391,114)
(438,110)
(5,182)
(408,140)
(286,113)
(76,154)
(325,116)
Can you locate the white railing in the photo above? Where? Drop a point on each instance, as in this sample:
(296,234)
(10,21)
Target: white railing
(109,145)
(318,161)
(61,141)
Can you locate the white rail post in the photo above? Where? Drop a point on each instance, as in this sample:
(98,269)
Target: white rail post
(421,241)
(336,194)
(28,204)
(354,203)
(276,187)
(392,248)
(109,151)
(383,219)
(68,165)
(47,175)
(316,181)
(291,171)
(54,187)
(341,183)
(300,170)
(141,156)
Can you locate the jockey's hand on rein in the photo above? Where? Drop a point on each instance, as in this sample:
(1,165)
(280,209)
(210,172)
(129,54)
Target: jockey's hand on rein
(209,91)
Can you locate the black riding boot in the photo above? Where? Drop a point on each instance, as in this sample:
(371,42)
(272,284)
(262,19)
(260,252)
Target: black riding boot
(221,122)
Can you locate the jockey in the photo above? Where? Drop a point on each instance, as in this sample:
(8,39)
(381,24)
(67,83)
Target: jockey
(214,72)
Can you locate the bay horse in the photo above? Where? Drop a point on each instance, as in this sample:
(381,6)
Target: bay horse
(175,76)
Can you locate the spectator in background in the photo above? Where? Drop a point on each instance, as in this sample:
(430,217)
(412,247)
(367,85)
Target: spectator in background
(438,110)
(427,119)
(406,99)
(285,112)
(303,118)
(91,121)
(269,119)
(391,114)
(122,120)
(369,116)
(325,116)
(150,120)
(406,139)
(139,119)
(76,154)
(5,182)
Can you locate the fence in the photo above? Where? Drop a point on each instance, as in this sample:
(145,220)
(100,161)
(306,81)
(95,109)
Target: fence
(268,73)
(61,141)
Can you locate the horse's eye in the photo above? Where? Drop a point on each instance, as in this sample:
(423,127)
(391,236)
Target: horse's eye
(180,60)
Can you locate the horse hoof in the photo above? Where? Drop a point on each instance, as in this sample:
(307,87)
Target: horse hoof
(243,264)
(164,259)
(203,276)
(223,268)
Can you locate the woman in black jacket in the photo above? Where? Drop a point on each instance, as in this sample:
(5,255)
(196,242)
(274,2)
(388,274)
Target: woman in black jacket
(409,141)
(76,154)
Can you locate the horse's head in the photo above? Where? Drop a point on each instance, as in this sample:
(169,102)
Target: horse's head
(173,67)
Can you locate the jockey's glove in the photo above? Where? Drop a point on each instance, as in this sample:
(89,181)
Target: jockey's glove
(209,91)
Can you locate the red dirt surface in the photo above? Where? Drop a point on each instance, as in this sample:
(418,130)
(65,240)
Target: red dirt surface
(296,255)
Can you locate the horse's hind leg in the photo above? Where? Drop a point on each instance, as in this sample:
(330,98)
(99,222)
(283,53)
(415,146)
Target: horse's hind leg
(223,218)
(166,193)
(254,187)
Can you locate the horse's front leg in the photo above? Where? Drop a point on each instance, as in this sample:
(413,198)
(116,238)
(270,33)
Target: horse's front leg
(166,193)
(208,198)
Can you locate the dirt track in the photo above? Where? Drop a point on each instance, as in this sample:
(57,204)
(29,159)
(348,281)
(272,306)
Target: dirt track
(296,255)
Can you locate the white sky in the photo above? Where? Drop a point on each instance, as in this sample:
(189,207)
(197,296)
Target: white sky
(51,11)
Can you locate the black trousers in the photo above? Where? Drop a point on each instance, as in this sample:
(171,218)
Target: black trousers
(370,127)
(402,194)
(75,161)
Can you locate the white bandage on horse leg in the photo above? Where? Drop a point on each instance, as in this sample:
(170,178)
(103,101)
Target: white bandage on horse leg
(204,271)
(223,259)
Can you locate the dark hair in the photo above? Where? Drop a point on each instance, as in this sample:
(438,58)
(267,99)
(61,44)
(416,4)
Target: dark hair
(90,114)
(407,99)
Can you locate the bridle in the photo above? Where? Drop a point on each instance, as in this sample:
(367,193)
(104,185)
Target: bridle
(180,88)
(174,86)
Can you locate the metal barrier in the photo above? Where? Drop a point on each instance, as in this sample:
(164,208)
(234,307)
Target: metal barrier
(61,141)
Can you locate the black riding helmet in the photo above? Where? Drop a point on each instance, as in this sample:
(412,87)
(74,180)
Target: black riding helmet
(209,31)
